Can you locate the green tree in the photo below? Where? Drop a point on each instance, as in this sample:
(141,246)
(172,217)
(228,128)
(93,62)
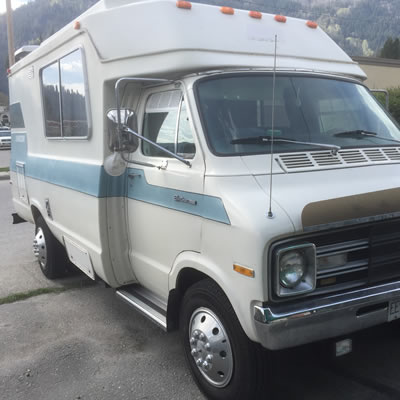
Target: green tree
(391,49)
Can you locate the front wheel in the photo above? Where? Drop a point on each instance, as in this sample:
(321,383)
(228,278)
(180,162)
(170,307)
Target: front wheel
(224,362)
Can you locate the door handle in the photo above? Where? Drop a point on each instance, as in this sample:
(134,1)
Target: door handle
(133,176)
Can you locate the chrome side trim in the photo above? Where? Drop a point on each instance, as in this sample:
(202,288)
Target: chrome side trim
(143,308)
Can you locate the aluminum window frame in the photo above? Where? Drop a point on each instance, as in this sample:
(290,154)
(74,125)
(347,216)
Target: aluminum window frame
(87,97)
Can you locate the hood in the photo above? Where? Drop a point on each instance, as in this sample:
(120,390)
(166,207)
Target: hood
(337,197)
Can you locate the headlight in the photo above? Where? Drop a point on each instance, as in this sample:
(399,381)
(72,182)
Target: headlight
(291,269)
(295,270)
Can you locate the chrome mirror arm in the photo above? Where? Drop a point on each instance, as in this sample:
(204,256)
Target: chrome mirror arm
(140,137)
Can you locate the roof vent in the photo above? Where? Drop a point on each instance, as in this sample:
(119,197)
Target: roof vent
(118,3)
(24,51)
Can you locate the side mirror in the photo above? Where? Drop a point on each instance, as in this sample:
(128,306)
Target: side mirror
(122,141)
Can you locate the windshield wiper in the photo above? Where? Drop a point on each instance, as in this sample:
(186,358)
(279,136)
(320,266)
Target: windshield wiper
(268,139)
(360,134)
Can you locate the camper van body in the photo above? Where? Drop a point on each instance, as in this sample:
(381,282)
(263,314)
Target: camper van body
(165,225)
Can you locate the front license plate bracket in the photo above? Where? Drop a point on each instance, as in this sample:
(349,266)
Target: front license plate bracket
(394,310)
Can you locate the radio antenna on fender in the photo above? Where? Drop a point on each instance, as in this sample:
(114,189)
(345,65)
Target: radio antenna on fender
(270,214)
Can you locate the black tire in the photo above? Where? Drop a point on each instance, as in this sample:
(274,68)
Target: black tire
(52,257)
(248,372)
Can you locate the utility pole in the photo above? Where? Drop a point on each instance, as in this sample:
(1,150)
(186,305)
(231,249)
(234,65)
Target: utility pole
(10,34)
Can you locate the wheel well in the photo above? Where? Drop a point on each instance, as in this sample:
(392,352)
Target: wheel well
(186,278)
(35,213)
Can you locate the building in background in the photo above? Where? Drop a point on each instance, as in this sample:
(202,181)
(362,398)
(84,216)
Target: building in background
(383,73)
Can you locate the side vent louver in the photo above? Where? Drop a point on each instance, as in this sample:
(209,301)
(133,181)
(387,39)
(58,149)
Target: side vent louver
(344,158)
(298,160)
(325,158)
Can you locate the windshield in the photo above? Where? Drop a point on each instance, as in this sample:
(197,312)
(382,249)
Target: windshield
(307,109)
(5,133)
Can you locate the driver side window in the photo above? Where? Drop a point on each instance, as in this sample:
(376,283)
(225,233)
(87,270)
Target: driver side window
(166,123)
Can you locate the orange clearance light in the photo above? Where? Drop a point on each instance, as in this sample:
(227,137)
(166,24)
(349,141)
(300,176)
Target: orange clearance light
(255,14)
(77,25)
(312,24)
(187,5)
(227,10)
(280,18)
(243,270)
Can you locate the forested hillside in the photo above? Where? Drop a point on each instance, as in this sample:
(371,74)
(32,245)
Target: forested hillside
(35,22)
(361,27)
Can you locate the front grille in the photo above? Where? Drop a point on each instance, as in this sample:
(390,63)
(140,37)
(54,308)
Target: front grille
(372,255)
(360,256)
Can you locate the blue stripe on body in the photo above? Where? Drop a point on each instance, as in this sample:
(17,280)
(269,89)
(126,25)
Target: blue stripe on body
(207,206)
(94,181)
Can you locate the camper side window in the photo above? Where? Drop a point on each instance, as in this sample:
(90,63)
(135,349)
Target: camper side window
(166,123)
(64,97)
(51,100)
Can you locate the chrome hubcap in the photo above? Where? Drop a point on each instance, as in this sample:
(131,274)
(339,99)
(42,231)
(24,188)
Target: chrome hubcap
(39,247)
(210,347)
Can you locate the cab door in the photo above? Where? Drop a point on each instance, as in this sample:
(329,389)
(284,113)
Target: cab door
(164,202)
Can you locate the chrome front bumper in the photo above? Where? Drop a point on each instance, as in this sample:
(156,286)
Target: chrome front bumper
(282,326)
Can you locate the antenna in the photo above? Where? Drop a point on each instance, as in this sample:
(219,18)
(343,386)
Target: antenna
(270,214)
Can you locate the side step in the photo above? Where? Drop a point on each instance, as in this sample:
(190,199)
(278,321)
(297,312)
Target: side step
(146,303)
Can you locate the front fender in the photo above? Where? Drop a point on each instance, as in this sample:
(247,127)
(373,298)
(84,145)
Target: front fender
(241,291)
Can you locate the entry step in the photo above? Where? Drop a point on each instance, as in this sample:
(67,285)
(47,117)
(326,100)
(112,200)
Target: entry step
(146,302)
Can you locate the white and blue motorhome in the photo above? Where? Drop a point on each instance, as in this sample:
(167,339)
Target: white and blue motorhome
(226,171)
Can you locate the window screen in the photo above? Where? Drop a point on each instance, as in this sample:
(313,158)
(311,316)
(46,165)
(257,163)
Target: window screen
(160,122)
(166,122)
(65,111)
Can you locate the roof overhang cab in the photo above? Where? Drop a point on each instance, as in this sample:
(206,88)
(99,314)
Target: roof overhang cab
(166,37)
(201,37)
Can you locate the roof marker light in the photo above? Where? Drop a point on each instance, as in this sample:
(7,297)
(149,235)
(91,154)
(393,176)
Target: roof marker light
(187,5)
(227,10)
(312,24)
(77,25)
(255,14)
(280,18)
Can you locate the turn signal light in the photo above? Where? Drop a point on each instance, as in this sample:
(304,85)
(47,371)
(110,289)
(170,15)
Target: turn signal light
(255,14)
(187,5)
(243,270)
(227,10)
(77,25)
(280,18)
(312,24)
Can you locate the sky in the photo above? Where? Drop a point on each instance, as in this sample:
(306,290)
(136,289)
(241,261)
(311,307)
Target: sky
(14,3)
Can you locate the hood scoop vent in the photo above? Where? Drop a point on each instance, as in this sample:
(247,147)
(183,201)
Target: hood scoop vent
(296,162)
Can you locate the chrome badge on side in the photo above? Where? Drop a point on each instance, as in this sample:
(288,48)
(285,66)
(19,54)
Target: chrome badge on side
(181,199)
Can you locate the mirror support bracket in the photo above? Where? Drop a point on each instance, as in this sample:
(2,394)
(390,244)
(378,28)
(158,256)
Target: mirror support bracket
(170,153)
